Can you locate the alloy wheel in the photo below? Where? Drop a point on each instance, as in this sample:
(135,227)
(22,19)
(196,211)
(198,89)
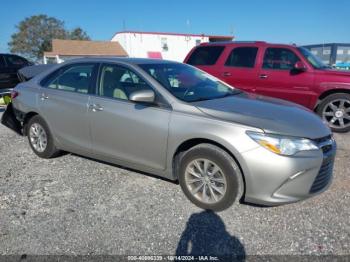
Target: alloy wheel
(205,181)
(337,113)
(38,137)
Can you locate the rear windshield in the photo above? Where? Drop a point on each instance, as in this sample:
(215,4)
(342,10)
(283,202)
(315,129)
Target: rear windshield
(205,55)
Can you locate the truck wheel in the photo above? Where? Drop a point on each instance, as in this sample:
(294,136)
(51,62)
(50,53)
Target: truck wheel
(335,110)
(40,138)
(210,177)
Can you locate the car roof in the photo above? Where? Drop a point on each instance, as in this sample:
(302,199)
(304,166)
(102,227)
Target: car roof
(136,61)
(257,43)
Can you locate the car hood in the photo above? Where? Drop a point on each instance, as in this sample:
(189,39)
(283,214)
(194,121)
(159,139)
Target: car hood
(336,72)
(270,114)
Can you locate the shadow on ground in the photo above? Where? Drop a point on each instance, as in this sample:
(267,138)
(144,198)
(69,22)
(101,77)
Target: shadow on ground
(206,235)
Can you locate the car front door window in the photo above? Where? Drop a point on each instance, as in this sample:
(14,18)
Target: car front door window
(279,59)
(119,82)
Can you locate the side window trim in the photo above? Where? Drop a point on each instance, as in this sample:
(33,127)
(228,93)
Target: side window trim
(94,78)
(277,69)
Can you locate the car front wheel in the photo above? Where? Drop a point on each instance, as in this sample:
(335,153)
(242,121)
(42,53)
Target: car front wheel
(335,111)
(210,177)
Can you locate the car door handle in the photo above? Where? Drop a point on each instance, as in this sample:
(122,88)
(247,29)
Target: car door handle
(44,96)
(227,74)
(95,107)
(263,76)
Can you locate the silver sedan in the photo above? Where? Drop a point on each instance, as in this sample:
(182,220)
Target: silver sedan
(175,121)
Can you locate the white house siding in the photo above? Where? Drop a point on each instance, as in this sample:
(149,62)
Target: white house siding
(140,44)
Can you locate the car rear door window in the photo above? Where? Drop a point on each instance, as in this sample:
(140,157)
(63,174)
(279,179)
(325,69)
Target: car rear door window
(242,57)
(75,78)
(205,55)
(279,59)
(119,82)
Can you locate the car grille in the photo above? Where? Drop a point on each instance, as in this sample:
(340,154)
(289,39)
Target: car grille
(325,173)
(326,148)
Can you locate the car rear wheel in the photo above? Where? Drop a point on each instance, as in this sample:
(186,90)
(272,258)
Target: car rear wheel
(210,177)
(40,138)
(335,111)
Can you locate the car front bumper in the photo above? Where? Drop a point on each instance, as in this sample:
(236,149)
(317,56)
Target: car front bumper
(273,179)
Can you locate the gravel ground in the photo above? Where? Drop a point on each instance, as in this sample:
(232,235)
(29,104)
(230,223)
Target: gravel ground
(76,206)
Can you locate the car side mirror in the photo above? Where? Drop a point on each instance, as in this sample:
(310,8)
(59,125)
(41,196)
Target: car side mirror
(142,96)
(300,66)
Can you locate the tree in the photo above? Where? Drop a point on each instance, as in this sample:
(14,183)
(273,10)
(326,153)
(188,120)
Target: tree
(34,35)
(78,34)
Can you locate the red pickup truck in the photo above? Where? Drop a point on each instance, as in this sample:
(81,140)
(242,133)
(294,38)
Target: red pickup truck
(283,71)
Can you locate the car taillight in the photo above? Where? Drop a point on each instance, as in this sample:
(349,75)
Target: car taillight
(14,94)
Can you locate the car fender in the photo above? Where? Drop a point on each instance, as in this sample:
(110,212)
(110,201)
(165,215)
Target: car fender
(230,136)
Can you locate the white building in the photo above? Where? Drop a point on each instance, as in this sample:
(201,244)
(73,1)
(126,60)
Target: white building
(169,46)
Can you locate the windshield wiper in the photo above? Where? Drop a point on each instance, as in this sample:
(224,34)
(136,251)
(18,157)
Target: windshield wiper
(202,99)
(216,97)
(233,93)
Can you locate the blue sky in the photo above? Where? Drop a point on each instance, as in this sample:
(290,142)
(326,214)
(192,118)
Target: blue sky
(297,21)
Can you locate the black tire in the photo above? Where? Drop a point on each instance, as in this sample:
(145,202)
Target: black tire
(323,105)
(50,149)
(229,167)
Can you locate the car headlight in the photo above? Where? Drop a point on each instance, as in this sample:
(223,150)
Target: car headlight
(282,145)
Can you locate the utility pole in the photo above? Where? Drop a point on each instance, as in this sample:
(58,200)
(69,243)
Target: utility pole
(124,25)
(231,32)
(188,25)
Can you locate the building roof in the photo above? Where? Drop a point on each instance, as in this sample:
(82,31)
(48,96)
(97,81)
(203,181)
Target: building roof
(328,44)
(176,34)
(85,48)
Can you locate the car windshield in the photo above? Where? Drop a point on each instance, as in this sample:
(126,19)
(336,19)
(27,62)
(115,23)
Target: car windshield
(188,83)
(313,60)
